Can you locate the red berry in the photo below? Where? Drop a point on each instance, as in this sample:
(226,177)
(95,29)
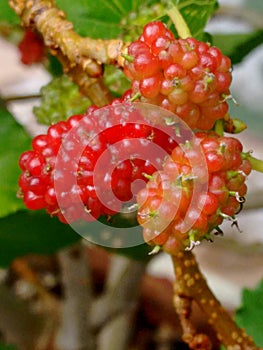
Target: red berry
(138,48)
(174,71)
(34,201)
(40,142)
(159,44)
(150,87)
(32,48)
(145,66)
(208,203)
(154,30)
(189,60)
(214,161)
(223,81)
(24,158)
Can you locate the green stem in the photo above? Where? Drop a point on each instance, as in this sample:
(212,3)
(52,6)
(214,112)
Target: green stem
(257,164)
(135,97)
(219,127)
(127,57)
(179,22)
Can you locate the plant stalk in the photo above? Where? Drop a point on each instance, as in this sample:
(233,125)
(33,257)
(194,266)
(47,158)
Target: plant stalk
(257,164)
(190,285)
(20,97)
(93,88)
(82,58)
(57,32)
(179,22)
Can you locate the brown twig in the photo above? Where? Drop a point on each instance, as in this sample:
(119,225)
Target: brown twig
(58,33)
(190,336)
(21,97)
(82,58)
(190,285)
(93,88)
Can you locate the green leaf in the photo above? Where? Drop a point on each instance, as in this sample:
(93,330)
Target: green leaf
(60,100)
(96,19)
(7,347)
(32,232)
(237,46)
(196,14)
(140,252)
(36,232)
(250,314)
(54,66)
(131,238)
(13,141)
(141,14)
(7,15)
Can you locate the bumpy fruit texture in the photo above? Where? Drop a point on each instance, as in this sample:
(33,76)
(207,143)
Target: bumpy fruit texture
(186,76)
(97,156)
(32,48)
(60,99)
(183,203)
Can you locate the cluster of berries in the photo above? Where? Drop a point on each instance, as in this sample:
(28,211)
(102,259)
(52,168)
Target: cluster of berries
(31,47)
(115,142)
(185,201)
(188,77)
(88,166)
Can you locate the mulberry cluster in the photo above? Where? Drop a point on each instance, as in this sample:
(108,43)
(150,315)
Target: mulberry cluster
(185,201)
(117,138)
(188,77)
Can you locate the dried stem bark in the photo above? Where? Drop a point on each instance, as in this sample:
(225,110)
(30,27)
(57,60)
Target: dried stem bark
(81,58)
(59,33)
(190,285)
(93,88)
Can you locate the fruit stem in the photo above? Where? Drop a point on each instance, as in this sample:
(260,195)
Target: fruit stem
(233,125)
(190,285)
(219,127)
(257,164)
(135,97)
(179,22)
(127,57)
